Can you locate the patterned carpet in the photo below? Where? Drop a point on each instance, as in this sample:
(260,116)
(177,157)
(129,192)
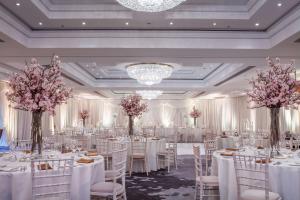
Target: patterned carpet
(177,185)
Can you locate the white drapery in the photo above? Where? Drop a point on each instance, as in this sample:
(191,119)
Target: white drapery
(226,114)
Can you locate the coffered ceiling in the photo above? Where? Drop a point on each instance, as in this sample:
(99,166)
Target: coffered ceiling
(214,46)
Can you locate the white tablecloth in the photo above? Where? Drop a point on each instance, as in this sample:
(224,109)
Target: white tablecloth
(17,185)
(284,179)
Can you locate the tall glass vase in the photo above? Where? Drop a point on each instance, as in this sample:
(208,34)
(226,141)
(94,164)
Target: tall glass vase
(274,131)
(130,125)
(36,131)
(195,122)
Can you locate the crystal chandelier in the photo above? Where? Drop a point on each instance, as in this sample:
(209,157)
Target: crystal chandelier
(149,73)
(150,5)
(149,94)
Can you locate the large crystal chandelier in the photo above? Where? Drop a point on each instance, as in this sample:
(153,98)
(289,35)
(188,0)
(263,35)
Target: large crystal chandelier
(149,94)
(150,5)
(149,73)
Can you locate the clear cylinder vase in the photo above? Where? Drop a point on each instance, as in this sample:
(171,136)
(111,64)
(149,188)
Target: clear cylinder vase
(195,122)
(36,132)
(274,131)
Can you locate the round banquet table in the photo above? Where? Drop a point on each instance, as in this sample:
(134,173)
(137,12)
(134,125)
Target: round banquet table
(16,185)
(284,178)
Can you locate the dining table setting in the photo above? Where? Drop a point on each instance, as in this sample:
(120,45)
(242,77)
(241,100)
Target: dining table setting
(284,171)
(16,175)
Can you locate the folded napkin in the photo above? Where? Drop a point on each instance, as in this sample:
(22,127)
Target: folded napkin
(226,154)
(66,151)
(231,149)
(263,161)
(85,160)
(91,153)
(260,147)
(26,151)
(44,166)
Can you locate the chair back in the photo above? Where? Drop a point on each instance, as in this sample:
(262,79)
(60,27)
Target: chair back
(252,173)
(197,160)
(24,145)
(139,147)
(51,178)
(210,146)
(102,146)
(82,140)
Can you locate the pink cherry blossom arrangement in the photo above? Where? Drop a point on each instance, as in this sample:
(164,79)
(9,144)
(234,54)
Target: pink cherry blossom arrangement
(84,114)
(275,87)
(133,106)
(195,113)
(38,88)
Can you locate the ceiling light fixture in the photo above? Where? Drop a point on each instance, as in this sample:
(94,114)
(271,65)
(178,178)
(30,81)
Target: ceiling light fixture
(279,4)
(149,73)
(150,5)
(149,94)
(18,4)
(83,23)
(127,23)
(41,23)
(256,24)
(214,24)
(171,23)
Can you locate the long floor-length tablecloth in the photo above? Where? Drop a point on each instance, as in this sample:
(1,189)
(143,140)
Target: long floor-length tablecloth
(284,178)
(17,185)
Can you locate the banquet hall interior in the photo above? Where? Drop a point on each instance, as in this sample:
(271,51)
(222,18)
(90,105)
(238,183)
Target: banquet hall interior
(150,99)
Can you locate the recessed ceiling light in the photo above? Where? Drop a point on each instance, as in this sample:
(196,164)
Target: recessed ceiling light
(171,23)
(256,24)
(279,4)
(214,24)
(83,23)
(18,4)
(127,23)
(41,23)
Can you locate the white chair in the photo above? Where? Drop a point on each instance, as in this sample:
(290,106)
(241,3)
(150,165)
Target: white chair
(252,175)
(114,189)
(24,145)
(138,153)
(102,146)
(203,182)
(51,179)
(210,147)
(168,156)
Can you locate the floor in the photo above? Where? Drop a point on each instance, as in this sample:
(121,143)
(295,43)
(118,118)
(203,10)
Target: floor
(161,185)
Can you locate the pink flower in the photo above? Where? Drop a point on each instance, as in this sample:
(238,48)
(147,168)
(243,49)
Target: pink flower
(195,113)
(38,88)
(132,106)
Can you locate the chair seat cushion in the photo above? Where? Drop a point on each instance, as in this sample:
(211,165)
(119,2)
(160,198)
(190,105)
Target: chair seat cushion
(258,195)
(106,188)
(209,180)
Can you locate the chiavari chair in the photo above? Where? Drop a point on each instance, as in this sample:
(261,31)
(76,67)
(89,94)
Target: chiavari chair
(210,147)
(203,182)
(51,178)
(114,188)
(139,153)
(252,175)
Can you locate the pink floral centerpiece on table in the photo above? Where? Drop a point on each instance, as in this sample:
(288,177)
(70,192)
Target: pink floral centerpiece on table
(275,88)
(84,115)
(38,89)
(133,107)
(195,114)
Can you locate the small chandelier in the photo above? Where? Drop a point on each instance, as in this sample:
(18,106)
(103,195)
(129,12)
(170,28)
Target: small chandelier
(149,94)
(149,73)
(150,5)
